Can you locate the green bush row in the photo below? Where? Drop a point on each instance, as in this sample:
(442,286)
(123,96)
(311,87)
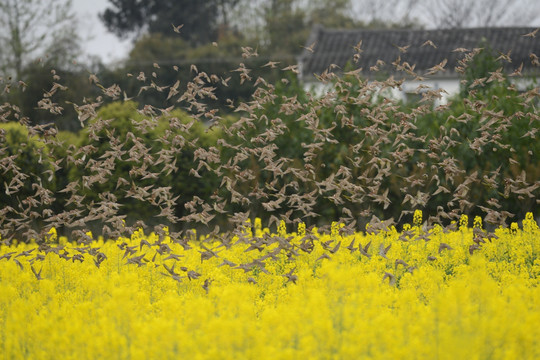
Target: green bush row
(141,164)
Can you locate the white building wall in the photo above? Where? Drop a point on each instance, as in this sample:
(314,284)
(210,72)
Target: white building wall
(450,86)
(409,87)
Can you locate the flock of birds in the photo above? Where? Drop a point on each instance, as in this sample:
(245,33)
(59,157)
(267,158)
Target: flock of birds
(275,183)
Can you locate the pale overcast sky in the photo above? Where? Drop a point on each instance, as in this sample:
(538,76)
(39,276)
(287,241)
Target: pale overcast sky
(97,40)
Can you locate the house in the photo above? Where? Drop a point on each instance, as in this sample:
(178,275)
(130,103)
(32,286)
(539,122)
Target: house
(422,48)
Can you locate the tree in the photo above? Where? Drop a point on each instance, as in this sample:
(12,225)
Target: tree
(481,65)
(200,20)
(285,26)
(35,28)
(485,13)
(281,27)
(331,14)
(39,80)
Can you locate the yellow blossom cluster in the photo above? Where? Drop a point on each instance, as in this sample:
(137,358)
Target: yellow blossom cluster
(416,294)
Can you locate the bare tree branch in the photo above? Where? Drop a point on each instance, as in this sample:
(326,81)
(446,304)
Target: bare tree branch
(33,28)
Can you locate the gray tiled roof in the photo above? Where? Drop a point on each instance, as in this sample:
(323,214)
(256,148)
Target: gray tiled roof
(336,47)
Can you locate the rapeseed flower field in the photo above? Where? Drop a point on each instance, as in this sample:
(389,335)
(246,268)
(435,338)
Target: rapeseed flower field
(419,293)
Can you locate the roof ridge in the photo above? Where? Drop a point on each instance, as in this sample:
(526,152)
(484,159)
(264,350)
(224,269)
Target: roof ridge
(321,27)
(334,46)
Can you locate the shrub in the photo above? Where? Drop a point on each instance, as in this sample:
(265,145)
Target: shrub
(26,170)
(135,143)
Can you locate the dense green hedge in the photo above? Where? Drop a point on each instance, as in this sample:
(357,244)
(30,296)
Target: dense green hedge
(141,164)
(161,141)
(459,131)
(25,163)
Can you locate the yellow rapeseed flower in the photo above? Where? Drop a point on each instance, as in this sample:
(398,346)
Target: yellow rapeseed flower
(363,295)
